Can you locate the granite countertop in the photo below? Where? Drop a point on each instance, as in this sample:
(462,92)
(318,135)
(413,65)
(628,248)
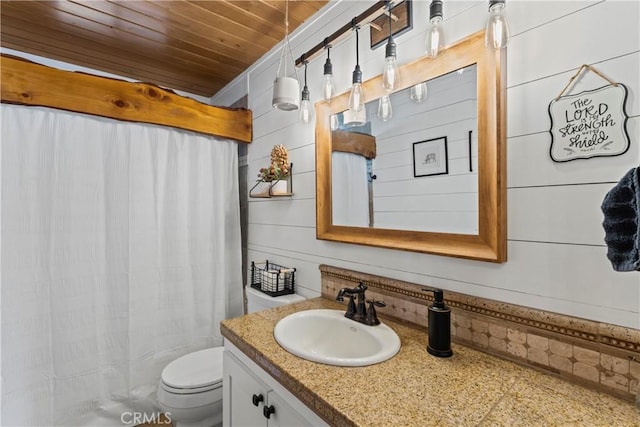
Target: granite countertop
(416,389)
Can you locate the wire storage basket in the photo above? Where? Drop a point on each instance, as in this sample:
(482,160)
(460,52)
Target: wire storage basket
(272,279)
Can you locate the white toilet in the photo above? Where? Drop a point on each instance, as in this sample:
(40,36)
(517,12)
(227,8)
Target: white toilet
(190,389)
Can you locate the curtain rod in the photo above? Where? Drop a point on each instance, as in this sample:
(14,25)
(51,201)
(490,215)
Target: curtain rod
(364,18)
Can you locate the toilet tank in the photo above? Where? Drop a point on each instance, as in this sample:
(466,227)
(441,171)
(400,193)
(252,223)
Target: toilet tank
(257,301)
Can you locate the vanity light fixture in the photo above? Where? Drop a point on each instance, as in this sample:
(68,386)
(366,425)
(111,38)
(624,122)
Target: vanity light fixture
(356,97)
(497,31)
(434,42)
(327,79)
(306,110)
(286,88)
(390,73)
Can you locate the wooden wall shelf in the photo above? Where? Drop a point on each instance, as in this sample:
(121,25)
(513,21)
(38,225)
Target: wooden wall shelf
(266,190)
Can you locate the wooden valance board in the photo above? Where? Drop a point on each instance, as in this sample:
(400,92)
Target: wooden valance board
(353,142)
(27,83)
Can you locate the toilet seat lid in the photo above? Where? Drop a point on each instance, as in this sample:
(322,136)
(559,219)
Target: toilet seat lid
(195,370)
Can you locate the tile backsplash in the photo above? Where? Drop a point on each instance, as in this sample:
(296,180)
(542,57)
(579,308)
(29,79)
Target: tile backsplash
(597,355)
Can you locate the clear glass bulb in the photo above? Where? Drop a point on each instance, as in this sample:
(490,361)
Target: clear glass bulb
(327,87)
(497,32)
(306,111)
(385,112)
(419,92)
(334,122)
(356,97)
(435,39)
(390,73)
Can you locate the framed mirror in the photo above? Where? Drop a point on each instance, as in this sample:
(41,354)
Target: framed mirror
(429,178)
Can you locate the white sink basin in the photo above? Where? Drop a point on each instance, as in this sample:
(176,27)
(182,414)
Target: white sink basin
(326,336)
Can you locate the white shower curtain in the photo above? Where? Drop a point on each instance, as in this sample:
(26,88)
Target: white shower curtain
(349,189)
(120,251)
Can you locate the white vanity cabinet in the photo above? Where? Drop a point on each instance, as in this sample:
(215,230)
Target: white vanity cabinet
(251,397)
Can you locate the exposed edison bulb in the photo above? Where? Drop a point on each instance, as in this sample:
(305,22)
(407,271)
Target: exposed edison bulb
(434,42)
(497,33)
(390,72)
(306,111)
(356,97)
(327,87)
(334,122)
(385,112)
(327,81)
(419,92)
(435,37)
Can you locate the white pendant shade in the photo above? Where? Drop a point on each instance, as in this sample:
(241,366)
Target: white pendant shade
(286,93)
(286,89)
(355,118)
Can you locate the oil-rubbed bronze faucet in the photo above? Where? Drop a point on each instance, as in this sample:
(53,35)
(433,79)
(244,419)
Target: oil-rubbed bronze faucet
(359,312)
(351,308)
(372,316)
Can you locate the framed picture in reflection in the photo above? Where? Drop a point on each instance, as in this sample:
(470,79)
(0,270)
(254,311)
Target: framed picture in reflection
(430,157)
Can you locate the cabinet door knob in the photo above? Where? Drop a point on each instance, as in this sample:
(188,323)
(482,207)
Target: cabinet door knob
(268,410)
(256,399)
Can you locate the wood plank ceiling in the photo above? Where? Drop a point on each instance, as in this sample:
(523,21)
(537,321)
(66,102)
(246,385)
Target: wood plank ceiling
(195,46)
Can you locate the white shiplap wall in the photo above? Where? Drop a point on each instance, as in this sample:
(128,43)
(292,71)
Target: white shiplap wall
(557,257)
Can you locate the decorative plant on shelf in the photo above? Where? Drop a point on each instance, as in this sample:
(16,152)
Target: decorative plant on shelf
(279,168)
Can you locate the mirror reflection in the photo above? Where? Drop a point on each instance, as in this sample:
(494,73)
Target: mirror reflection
(409,204)
(409,160)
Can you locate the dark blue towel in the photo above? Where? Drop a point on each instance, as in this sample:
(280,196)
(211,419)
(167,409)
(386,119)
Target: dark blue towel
(621,207)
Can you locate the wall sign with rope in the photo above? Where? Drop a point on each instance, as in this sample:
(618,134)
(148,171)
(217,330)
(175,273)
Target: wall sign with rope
(589,124)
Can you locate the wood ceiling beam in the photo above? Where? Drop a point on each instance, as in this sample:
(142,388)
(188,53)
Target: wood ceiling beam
(27,83)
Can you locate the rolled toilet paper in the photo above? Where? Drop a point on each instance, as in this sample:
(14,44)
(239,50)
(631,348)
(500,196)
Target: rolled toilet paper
(269,279)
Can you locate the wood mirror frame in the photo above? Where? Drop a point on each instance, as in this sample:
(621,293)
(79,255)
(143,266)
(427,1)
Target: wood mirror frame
(490,244)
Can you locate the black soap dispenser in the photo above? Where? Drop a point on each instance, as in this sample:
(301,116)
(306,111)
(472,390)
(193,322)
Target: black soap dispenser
(439,326)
